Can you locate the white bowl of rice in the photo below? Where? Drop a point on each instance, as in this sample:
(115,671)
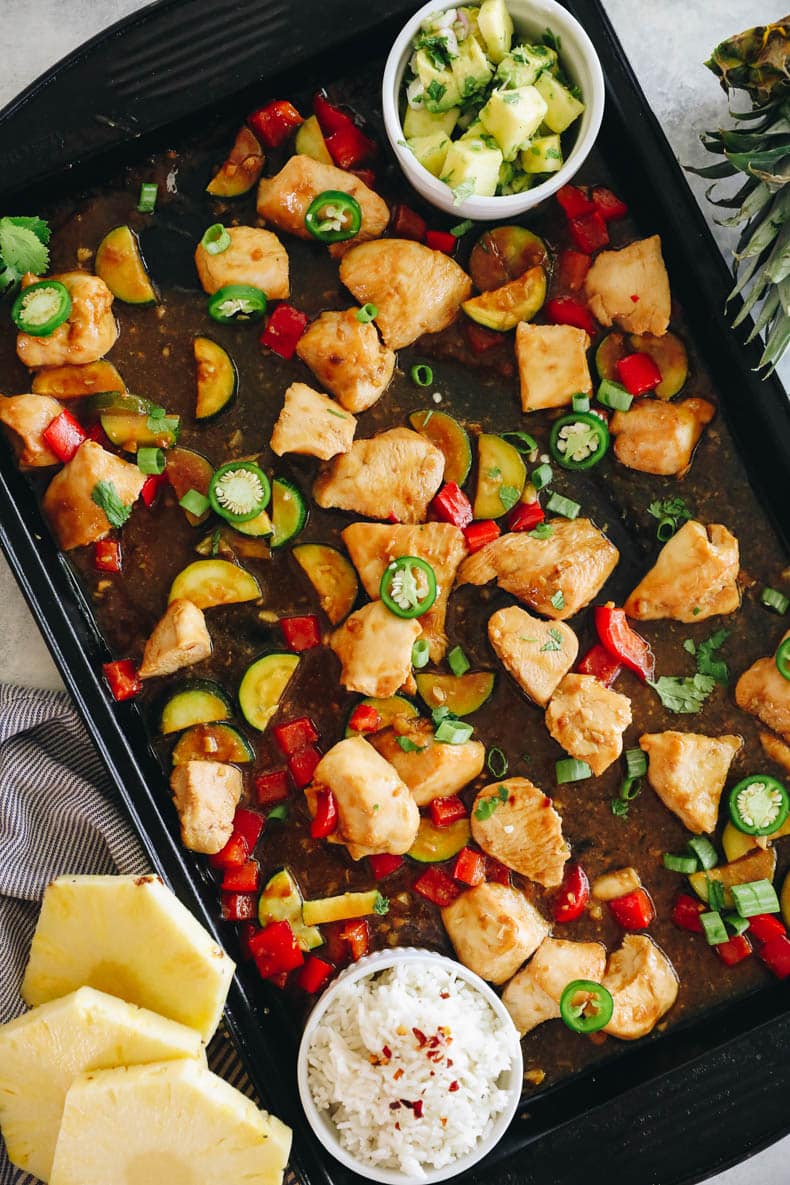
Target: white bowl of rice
(410,1068)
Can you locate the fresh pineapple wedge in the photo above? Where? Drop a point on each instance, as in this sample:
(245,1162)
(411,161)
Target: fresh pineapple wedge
(42,1052)
(172,1123)
(131,937)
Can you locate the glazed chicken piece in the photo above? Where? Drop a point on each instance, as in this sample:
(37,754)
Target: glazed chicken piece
(533,995)
(312,425)
(536,653)
(643,984)
(374,647)
(255,257)
(576,559)
(552,364)
(206,794)
(376,813)
(348,358)
(493,929)
(764,693)
(372,546)
(392,475)
(688,772)
(776,750)
(179,639)
(630,288)
(516,823)
(68,503)
(416,290)
(88,334)
(432,769)
(283,200)
(694,577)
(660,437)
(26,417)
(588,720)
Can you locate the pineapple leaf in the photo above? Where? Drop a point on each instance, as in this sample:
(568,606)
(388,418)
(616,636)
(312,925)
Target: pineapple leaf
(778,266)
(770,306)
(751,162)
(758,291)
(725,169)
(778,341)
(744,275)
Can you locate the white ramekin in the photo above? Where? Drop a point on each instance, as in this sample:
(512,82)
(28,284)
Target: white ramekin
(531,18)
(323,1126)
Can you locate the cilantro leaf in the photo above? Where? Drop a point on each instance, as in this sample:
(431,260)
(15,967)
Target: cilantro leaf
(21,249)
(486,806)
(542,531)
(671,513)
(558,600)
(683,695)
(39,227)
(553,642)
(619,808)
(704,653)
(408,746)
(106,497)
(508,496)
(381,905)
(462,192)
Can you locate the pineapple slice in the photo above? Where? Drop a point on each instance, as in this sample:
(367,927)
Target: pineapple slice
(42,1052)
(129,936)
(171,1123)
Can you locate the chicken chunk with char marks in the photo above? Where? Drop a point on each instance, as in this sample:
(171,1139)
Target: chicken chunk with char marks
(374,647)
(283,200)
(89,332)
(312,425)
(516,823)
(430,768)
(552,364)
(536,653)
(493,929)
(643,984)
(588,720)
(694,577)
(654,436)
(27,417)
(533,995)
(179,639)
(688,772)
(347,357)
(392,475)
(630,288)
(765,693)
(68,503)
(255,257)
(206,794)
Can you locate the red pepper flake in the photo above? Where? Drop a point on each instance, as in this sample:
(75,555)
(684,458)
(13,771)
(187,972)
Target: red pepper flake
(444,995)
(434,1042)
(449,1062)
(397,1127)
(418,1109)
(387,1051)
(444,1121)
(453,1087)
(398,1074)
(634,298)
(395,1106)
(421,1038)
(407,1103)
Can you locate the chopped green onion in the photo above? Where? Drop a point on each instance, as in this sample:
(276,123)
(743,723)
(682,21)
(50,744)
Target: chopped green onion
(453,732)
(279,812)
(522,442)
(195,502)
(665,529)
(613,395)
(497,763)
(542,476)
(216,239)
(736,924)
(684,864)
(457,661)
(151,460)
(715,893)
(558,504)
(630,789)
(366,314)
(772,599)
(580,403)
(713,927)
(558,600)
(755,897)
(571,770)
(704,850)
(147,201)
(462,227)
(635,763)
(422,375)
(420,654)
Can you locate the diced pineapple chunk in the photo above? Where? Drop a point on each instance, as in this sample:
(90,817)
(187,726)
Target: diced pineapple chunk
(42,1052)
(475,131)
(431,151)
(471,163)
(524,63)
(419,122)
(562,108)
(471,68)
(441,86)
(171,1123)
(496,28)
(513,117)
(129,936)
(542,155)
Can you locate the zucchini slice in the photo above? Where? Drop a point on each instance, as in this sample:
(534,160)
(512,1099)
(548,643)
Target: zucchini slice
(289,511)
(259,527)
(670,356)
(608,354)
(262,687)
(450,438)
(736,843)
(188,470)
(341,908)
(310,142)
(462,694)
(130,430)
(434,844)
(74,382)
(241,169)
(333,577)
(504,254)
(217,380)
(281,901)
(200,702)
(213,742)
(503,308)
(119,262)
(388,709)
(501,474)
(757,865)
(108,402)
(214,582)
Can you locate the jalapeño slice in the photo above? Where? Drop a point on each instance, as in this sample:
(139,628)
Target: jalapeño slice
(783,659)
(579,441)
(759,805)
(239,491)
(237,302)
(333,217)
(590,1013)
(41,308)
(408,586)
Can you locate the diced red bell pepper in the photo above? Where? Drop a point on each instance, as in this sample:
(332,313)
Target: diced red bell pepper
(275,949)
(451,505)
(638,373)
(246,878)
(97,434)
(274,123)
(686,911)
(469,867)
(734,950)
(335,946)
(437,887)
(589,232)
(249,825)
(574,201)
(271,787)
(63,436)
(325,820)
(383,864)
(525,516)
(122,679)
(295,735)
(301,633)
(356,935)
(445,811)
(634,911)
(765,926)
(608,204)
(566,310)
(406,223)
(107,555)
(623,643)
(350,147)
(330,118)
(570,900)
(233,855)
(151,487)
(365,718)
(481,339)
(314,974)
(572,269)
(302,765)
(776,955)
(496,872)
(246,932)
(441,240)
(238,907)
(283,330)
(601,664)
(478,534)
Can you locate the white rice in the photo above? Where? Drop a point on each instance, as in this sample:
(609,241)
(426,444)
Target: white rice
(415,1033)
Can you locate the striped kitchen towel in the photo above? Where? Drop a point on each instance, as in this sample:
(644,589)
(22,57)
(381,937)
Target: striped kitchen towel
(59,813)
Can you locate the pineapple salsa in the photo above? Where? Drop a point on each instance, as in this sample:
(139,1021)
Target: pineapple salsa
(484,115)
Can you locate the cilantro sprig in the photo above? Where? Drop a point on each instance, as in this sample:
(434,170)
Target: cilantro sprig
(23,248)
(107,498)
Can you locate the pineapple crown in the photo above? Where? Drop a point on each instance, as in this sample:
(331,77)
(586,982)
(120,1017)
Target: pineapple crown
(755,61)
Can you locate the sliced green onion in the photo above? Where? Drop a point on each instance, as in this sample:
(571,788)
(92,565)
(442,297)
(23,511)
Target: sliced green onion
(366,314)
(614,396)
(713,927)
(558,600)
(715,893)
(279,812)
(420,654)
(630,789)
(151,460)
(421,374)
(772,599)
(216,239)
(461,228)
(195,502)
(580,403)
(755,897)
(497,763)
(558,504)
(665,529)
(457,661)
(542,476)
(735,923)
(146,203)
(571,770)
(522,442)
(704,850)
(635,763)
(684,864)
(453,732)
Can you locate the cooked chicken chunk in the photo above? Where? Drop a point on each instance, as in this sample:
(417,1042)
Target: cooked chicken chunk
(312,425)
(660,437)
(348,358)
(88,334)
(432,769)
(374,647)
(376,812)
(255,257)
(536,653)
(493,929)
(392,475)
(589,720)
(26,417)
(283,200)
(516,823)
(643,984)
(576,559)
(68,503)
(533,995)
(763,692)
(630,288)
(552,364)
(179,639)
(206,794)
(372,546)
(688,772)
(776,750)
(694,577)
(416,290)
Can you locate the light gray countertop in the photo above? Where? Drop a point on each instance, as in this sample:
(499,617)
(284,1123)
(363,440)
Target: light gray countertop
(666,41)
